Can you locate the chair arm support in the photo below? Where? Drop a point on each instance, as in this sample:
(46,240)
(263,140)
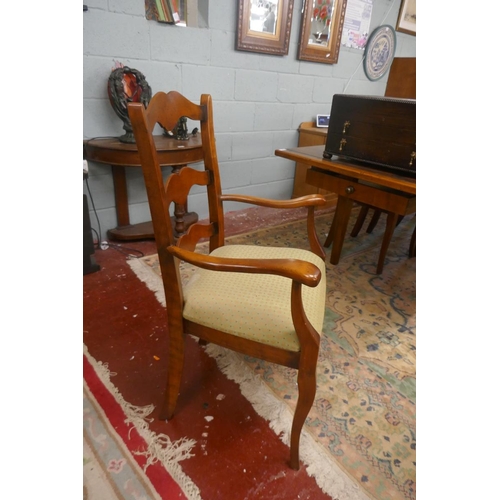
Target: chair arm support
(303,201)
(300,271)
(311,201)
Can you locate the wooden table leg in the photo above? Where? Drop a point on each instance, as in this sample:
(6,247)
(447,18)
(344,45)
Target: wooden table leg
(182,217)
(339,227)
(121,196)
(125,231)
(180,224)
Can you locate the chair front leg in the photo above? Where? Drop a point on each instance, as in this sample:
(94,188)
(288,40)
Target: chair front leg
(306,380)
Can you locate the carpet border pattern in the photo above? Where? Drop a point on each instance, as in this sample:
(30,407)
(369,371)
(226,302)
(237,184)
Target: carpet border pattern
(156,454)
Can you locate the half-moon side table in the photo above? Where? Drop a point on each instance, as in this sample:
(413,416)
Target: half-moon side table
(171,153)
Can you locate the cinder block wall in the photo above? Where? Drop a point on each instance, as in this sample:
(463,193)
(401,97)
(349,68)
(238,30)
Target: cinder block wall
(259,100)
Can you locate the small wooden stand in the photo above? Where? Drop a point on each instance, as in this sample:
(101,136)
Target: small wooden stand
(171,152)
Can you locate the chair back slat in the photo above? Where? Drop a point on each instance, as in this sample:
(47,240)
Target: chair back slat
(195,233)
(180,183)
(166,109)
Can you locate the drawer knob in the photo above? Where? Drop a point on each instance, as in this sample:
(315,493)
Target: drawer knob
(343,142)
(412,157)
(349,190)
(346,126)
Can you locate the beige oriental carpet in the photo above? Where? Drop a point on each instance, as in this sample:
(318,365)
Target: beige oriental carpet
(359,440)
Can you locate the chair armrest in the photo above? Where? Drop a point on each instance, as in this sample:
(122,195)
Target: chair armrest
(300,271)
(303,201)
(310,201)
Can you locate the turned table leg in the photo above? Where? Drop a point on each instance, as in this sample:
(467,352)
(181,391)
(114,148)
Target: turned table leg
(182,217)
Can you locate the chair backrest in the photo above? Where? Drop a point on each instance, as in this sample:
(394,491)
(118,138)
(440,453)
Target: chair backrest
(166,109)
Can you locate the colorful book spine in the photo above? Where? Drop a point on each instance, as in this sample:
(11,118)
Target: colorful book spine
(165,14)
(175,11)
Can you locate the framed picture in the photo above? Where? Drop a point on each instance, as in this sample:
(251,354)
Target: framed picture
(264,26)
(322,24)
(407,19)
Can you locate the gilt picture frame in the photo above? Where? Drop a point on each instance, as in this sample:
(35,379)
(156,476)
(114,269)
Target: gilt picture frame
(407,18)
(321,32)
(264,26)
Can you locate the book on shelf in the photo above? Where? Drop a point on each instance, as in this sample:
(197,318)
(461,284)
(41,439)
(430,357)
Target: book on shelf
(175,11)
(168,11)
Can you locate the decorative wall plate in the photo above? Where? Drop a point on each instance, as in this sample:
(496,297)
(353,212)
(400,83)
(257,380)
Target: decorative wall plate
(379,52)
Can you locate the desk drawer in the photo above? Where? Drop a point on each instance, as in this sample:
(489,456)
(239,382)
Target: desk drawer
(395,155)
(377,196)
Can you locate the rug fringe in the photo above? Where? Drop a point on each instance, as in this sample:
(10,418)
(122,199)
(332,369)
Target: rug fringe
(319,463)
(160,446)
(154,283)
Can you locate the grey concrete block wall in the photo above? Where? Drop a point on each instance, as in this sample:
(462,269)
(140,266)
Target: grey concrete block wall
(259,99)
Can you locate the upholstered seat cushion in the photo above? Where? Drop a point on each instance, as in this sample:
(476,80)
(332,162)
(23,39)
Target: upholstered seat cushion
(254,306)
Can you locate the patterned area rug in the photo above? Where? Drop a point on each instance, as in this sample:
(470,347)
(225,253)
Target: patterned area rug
(363,421)
(122,458)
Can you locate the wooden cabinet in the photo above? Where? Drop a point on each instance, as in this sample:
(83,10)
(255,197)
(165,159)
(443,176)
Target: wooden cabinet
(401,83)
(310,135)
(374,129)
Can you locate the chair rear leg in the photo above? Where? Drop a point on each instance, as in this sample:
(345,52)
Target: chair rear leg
(174,374)
(413,242)
(306,380)
(360,220)
(376,216)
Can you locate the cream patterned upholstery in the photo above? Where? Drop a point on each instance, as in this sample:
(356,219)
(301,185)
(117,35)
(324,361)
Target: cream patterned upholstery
(254,306)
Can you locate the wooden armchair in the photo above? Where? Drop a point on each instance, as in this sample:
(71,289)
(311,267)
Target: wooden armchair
(250,299)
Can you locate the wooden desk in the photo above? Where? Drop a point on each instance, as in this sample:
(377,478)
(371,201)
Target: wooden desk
(171,153)
(356,181)
(310,135)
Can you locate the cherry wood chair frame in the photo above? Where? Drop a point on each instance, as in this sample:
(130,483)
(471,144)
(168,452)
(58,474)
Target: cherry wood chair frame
(166,109)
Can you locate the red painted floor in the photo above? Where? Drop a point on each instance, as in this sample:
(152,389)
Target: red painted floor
(237,455)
